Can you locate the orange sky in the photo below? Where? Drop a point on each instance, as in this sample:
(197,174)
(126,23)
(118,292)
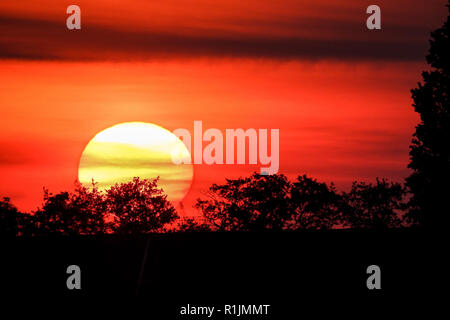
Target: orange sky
(338,93)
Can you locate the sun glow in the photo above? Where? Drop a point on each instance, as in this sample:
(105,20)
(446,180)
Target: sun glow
(137,149)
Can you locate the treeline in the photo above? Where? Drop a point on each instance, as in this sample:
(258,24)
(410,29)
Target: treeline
(255,203)
(138,206)
(272,202)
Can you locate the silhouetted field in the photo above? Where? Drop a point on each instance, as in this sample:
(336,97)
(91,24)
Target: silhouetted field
(230,267)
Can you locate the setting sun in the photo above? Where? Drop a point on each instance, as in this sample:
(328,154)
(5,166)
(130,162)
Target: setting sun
(136,149)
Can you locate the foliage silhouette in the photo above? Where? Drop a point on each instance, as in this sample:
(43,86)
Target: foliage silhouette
(248,204)
(9,216)
(430,148)
(192,225)
(254,203)
(80,212)
(139,206)
(378,206)
(316,205)
(262,202)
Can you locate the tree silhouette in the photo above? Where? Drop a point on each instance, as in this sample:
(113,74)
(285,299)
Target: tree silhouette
(430,148)
(258,202)
(139,206)
(80,212)
(376,206)
(316,205)
(8,218)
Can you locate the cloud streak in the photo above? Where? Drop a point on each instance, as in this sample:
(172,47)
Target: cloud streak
(35,39)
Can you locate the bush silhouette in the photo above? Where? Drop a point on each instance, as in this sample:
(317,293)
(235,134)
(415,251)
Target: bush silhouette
(192,225)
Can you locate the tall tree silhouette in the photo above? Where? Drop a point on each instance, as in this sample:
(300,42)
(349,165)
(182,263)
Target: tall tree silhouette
(430,148)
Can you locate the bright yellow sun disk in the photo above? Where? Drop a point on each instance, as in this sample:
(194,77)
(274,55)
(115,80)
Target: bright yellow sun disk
(136,149)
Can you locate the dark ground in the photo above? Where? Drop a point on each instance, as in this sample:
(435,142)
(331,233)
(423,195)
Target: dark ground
(289,271)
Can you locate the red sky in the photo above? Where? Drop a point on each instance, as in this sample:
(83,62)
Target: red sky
(338,93)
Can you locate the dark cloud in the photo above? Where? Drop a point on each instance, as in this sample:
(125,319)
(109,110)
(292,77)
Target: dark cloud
(33,39)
